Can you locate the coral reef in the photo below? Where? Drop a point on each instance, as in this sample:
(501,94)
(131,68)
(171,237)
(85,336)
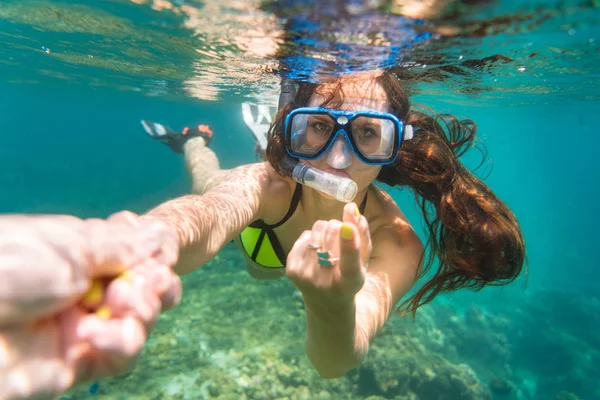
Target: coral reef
(500,387)
(557,343)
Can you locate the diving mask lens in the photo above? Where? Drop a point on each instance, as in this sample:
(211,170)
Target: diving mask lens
(374,137)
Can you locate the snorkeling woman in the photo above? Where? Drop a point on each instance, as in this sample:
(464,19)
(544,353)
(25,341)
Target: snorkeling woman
(353,261)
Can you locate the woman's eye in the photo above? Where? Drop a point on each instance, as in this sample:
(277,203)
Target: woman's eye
(366,133)
(321,127)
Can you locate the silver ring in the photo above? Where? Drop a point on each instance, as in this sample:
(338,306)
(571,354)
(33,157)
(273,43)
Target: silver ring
(312,246)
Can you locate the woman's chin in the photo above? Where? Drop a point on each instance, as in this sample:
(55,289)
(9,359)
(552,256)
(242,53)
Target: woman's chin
(326,196)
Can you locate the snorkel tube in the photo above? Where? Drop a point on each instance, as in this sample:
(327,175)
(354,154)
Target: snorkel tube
(338,187)
(342,189)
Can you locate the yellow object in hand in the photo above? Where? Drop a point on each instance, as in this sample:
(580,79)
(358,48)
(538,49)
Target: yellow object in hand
(104,312)
(95,294)
(126,276)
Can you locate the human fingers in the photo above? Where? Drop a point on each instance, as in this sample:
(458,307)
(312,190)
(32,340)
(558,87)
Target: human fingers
(317,234)
(133,296)
(36,378)
(331,243)
(296,257)
(144,291)
(350,263)
(30,362)
(125,217)
(172,297)
(42,264)
(163,281)
(167,253)
(352,215)
(366,245)
(158,240)
(349,237)
(316,244)
(115,246)
(114,346)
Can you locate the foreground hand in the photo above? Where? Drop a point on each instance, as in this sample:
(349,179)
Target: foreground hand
(52,334)
(327,288)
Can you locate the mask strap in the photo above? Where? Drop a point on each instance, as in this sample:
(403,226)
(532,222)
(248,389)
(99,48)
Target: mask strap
(288,92)
(408,132)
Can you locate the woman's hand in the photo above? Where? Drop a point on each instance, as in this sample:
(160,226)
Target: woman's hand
(78,298)
(328,264)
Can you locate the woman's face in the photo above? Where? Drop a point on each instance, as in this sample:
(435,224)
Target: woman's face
(358,95)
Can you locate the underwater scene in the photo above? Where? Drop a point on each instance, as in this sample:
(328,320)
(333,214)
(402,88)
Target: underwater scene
(77,77)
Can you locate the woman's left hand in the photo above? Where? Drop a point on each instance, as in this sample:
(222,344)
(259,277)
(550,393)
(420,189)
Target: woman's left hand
(328,264)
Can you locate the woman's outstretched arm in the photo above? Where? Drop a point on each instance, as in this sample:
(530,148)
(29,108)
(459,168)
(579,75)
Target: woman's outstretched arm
(205,223)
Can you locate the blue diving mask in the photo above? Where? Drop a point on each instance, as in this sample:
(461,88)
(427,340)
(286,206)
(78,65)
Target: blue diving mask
(375,137)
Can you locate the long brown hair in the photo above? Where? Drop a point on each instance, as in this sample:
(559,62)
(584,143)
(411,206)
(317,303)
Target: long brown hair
(475,237)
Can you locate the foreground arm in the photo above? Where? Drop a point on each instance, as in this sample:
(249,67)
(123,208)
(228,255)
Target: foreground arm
(339,342)
(347,304)
(205,223)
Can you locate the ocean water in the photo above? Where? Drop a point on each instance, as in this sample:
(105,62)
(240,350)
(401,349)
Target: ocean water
(76,77)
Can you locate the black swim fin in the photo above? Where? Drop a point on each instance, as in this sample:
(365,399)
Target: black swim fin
(176,140)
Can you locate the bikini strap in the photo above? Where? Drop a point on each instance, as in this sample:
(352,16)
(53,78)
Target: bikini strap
(293,204)
(363,204)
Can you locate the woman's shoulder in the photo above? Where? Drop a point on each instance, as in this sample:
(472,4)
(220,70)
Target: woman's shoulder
(381,205)
(386,216)
(276,190)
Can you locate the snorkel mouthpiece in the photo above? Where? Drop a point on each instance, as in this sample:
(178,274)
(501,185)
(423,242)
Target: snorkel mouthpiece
(342,189)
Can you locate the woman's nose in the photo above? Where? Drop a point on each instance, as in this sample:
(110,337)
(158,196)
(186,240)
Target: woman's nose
(340,153)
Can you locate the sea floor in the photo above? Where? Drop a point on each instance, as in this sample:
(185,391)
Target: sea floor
(234,337)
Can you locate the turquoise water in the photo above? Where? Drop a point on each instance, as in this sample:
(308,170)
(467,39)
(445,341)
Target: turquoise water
(76,78)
